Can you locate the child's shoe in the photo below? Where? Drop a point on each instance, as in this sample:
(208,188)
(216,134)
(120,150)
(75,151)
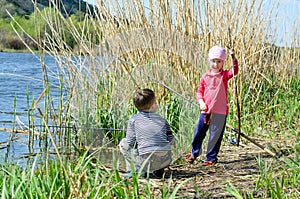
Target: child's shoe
(158,173)
(127,175)
(190,158)
(209,163)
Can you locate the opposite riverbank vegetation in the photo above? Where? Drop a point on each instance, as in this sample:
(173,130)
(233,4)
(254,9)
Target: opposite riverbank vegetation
(163,48)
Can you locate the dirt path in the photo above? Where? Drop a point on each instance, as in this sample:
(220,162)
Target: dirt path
(237,165)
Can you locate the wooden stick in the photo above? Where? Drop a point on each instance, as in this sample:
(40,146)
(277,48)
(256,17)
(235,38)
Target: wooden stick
(236,94)
(276,155)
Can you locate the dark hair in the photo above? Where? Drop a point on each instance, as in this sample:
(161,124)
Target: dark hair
(143,99)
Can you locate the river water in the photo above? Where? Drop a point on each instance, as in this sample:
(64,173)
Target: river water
(19,72)
(21,78)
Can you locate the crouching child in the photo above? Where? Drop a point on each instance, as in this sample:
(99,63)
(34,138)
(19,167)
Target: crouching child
(148,138)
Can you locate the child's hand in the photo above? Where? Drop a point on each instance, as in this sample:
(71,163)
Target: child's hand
(232,53)
(203,106)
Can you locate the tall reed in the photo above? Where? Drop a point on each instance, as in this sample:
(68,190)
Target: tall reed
(125,45)
(120,25)
(163,45)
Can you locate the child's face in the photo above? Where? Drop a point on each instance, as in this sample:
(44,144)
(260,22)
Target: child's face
(216,64)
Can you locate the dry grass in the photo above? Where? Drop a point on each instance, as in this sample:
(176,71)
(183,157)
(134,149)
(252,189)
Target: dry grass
(164,45)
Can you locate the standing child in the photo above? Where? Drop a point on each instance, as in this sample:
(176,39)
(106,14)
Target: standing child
(212,96)
(148,138)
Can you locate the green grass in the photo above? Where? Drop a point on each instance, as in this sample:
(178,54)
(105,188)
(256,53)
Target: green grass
(74,179)
(280,181)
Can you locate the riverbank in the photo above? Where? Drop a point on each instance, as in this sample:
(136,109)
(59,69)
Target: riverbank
(6,50)
(242,172)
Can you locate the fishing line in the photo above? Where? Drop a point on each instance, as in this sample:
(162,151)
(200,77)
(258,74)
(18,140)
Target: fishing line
(77,127)
(157,81)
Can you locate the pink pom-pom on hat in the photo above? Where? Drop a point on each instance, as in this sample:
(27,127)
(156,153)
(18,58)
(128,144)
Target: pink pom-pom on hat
(217,52)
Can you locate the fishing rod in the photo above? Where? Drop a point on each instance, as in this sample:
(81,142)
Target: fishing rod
(158,82)
(238,131)
(56,127)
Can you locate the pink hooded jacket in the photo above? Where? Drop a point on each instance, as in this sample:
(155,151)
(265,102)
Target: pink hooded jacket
(213,89)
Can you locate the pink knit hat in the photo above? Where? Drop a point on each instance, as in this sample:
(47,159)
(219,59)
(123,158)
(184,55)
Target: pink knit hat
(217,52)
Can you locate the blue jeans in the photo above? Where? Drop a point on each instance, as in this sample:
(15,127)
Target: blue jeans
(216,125)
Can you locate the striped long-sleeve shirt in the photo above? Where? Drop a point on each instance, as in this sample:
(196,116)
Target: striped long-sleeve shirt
(149,132)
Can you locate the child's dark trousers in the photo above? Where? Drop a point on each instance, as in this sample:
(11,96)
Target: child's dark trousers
(216,125)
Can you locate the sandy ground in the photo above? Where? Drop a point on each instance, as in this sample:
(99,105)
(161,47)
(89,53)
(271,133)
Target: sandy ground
(237,166)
